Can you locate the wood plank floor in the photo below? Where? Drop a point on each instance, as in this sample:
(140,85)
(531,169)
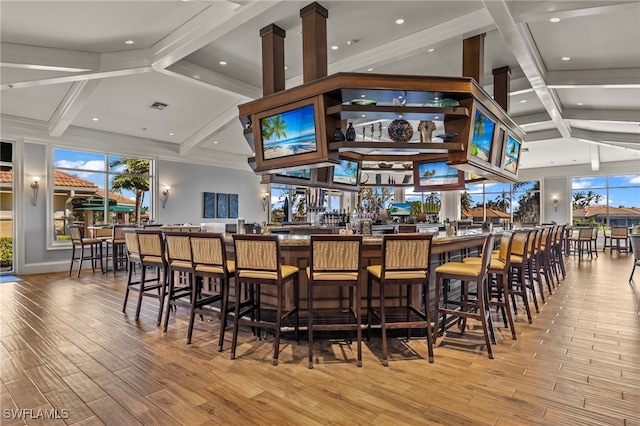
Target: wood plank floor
(67,346)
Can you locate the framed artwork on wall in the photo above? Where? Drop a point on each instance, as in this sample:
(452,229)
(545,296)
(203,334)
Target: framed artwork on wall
(222,206)
(209,205)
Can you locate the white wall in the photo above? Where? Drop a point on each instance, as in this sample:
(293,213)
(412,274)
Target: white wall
(560,188)
(189,182)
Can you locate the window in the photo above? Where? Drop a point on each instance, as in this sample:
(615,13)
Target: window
(502,202)
(606,200)
(79,196)
(6,207)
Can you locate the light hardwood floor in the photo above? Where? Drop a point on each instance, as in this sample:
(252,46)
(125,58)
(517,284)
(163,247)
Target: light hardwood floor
(66,345)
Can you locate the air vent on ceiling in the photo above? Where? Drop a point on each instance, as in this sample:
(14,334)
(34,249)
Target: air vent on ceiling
(524,150)
(159,105)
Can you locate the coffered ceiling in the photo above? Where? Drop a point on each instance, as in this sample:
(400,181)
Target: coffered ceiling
(66,65)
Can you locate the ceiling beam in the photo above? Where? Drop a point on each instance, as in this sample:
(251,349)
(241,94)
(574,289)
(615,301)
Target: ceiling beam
(522,46)
(211,128)
(542,135)
(603,78)
(47,58)
(615,115)
(545,10)
(209,25)
(455,29)
(213,80)
(73,102)
(607,137)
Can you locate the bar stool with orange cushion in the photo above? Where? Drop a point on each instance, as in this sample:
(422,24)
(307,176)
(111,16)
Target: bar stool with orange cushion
(335,262)
(618,234)
(152,255)
(209,257)
(257,264)
(79,241)
(499,267)
(180,283)
(406,260)
(467,307)
(635,247)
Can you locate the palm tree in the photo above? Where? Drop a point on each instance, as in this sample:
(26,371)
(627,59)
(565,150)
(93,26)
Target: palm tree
(135,178)
(478,124)
(579,200)
(465,202)
(503,201)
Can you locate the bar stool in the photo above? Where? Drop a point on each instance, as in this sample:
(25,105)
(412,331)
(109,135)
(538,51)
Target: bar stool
(406,261)
(467,307)
(635,246)
(209,257)
(79,241)
(178,254)
(117,244)
(557,257)
(133,258)
(258,263)
(582,241)
(152,255)
(521,275)
(335,262)
(499,267)
(617,234)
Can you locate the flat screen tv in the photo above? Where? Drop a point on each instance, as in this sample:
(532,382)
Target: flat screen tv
(436,176)
(289,133)
(346,173)
(482,137)
(400,209)
(511,155)
(300,174)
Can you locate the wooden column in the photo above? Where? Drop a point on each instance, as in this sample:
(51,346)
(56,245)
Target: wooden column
(314,42)
(502,87)
(272,59)
(473,58)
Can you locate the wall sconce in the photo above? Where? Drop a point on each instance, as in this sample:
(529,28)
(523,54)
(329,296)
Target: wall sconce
(165,194)
(555,202)
(265,201)
(35,185)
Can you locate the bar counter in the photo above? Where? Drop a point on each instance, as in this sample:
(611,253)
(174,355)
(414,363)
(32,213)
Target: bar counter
(295,251)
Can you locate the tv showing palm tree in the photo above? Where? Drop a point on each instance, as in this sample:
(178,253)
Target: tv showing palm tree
(511,155)
(482,138)
(289,133)
(346,172)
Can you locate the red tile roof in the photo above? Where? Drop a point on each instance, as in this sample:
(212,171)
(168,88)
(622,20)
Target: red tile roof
(119,198)
(591,211)
(59,179)
(477,212)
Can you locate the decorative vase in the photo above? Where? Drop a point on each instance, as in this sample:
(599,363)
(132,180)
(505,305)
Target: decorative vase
(351,132)
(338,136)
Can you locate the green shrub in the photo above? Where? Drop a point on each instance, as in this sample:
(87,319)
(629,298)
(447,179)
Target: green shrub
(63,237)
(6,251)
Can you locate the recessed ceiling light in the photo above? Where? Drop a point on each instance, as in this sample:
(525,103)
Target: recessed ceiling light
(286,67)
(129,42)
(363,96)
(335,47)
(95,118)
(364,115)
(580,103)
(431,50)
(215,141)
(223,62)
(554,20)
(369,69)
(171,134)
(566,58)
(400,21)
(437,117)
(523,101)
